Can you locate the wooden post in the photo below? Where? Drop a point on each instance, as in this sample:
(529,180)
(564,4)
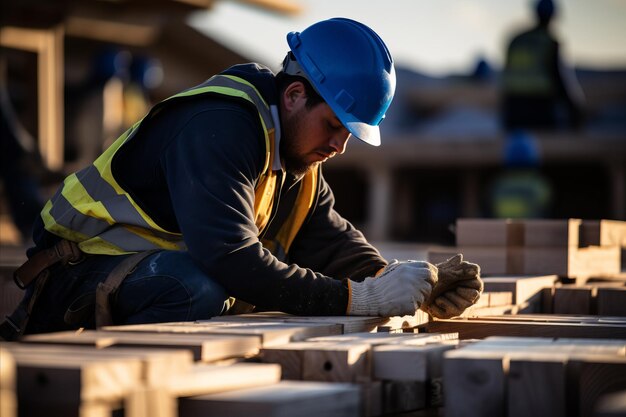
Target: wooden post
(48,45)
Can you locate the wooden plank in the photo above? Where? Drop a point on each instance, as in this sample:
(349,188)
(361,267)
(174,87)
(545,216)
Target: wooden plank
(545,345)
(372,398)
(269,332)
(349,324)
(157,365)
(321,361)
(208,378)
(409,363)
(495,260)
(612,301)
(474,384)
(536,386)
(603,233)
(478,329)
(558,318)
(489,232)
(62,384)
(287,398)
(571,261)
(595,378)
(403,396)
(8,397)
(499,298)
(570,299)
(205,348)
(527,375)
(556,233)
(375,339)
(611,405)
(595,261)
(524,288)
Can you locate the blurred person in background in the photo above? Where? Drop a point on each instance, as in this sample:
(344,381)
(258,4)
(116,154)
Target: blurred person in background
(538,90)
(520,191)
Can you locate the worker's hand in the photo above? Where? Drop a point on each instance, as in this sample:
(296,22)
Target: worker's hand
(458,287)
(399,290)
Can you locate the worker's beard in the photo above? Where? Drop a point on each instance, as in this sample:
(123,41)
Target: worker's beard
(290,149)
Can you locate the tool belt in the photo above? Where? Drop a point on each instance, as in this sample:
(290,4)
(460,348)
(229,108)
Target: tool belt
(64,251)
(37,269)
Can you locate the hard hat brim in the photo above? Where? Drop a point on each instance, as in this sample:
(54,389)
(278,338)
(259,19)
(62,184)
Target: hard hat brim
(362,131)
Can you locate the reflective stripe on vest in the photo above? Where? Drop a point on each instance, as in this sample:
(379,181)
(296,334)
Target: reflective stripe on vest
(91,208)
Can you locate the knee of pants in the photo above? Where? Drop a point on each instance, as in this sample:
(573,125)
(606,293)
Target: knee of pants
(169,286)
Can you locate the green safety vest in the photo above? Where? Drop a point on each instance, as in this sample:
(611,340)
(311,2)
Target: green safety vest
(528,67)
(92,209)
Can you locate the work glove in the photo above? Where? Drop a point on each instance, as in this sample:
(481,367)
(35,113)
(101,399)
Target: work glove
(458,287)
(399,290)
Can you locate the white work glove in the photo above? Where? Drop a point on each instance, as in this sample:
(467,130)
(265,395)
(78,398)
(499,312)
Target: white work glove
(458,287)
(399,290)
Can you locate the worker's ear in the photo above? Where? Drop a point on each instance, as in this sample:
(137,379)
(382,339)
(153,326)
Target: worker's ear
(293,94)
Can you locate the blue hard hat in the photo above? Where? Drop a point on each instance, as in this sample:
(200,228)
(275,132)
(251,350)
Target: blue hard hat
(351,68)
(521,150)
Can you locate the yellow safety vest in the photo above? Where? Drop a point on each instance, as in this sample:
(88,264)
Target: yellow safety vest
(92,209)
(527,70)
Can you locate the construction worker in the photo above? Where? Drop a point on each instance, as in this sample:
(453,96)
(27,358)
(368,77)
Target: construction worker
(538,90)
(218,194)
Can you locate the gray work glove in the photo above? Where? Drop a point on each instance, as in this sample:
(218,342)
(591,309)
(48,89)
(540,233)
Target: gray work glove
(458,287)
(399,290)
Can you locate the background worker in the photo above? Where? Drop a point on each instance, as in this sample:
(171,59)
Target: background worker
(218,192)
(538,90)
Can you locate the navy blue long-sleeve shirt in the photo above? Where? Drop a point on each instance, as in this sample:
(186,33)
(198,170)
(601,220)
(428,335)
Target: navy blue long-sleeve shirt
(193,167)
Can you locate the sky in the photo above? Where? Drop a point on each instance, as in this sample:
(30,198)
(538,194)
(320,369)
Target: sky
(435,37)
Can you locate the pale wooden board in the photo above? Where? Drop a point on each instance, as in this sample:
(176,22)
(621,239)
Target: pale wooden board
(548,345)
(558,318)
(572,261)
(208,378)
(8,403)
(288,398)
(63,383)
(603,233)
(408,363)
(349,324)
(478,329)
(489,232)
(555,233)
(7,369)
(204,347)
(321,361)
(270,332)
(157,364)
(524,288)
(374,339)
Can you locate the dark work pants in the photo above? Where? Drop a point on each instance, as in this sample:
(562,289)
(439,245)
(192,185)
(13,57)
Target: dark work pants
(166,286)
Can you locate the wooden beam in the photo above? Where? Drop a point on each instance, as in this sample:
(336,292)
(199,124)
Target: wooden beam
(288,398)
(478,329)
(48,45)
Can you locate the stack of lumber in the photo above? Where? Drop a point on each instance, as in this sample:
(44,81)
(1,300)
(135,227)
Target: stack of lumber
(196,369)
(571,248)
(511,376)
